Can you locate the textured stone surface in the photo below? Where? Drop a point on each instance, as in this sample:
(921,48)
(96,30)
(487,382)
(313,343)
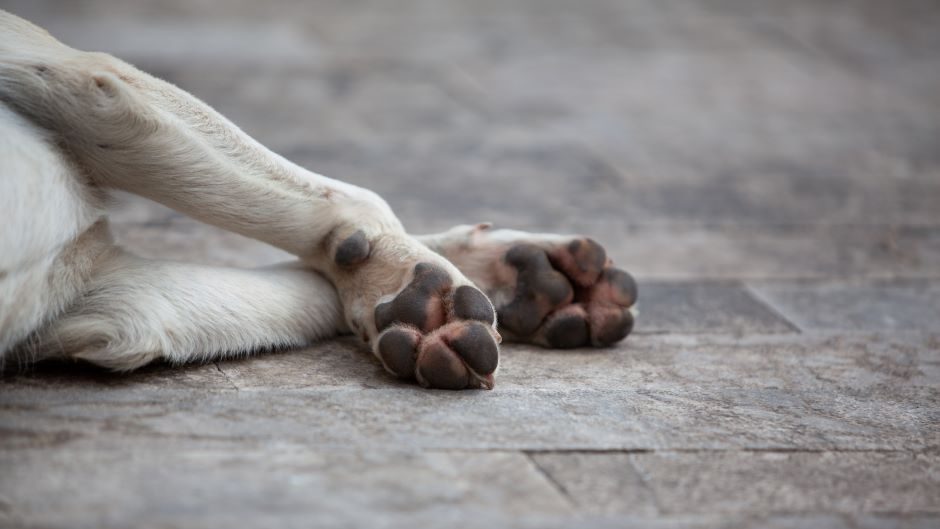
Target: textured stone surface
(747,482)
(649,393)
(183,484)
(705,307)
(888,306)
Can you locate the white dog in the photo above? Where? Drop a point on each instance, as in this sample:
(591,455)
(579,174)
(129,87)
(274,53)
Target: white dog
(74,125)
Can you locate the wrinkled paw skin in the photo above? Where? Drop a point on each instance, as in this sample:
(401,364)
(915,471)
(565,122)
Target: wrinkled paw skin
(567,296)
(440,336)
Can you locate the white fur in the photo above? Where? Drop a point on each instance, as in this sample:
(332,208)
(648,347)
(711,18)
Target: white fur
(74,125)
(67,290)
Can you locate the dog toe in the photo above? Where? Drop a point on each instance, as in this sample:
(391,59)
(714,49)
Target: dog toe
(398,349)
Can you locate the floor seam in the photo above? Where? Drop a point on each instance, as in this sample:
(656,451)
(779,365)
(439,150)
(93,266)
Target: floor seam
(763,300)
(226,377)
(553,483)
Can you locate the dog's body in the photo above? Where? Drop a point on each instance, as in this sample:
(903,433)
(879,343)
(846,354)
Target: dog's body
(75,125)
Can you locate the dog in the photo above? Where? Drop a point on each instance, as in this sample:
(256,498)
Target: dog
(75,126)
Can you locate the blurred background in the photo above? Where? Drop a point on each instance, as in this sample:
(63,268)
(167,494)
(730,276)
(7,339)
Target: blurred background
(696,138)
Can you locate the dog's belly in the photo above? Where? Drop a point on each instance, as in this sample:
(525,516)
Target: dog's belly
(48,233)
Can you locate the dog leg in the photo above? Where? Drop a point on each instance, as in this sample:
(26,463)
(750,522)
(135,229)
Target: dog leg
(553,290)
(424,319)
(136,310)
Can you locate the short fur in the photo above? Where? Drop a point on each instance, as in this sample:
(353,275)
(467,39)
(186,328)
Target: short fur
(76,125)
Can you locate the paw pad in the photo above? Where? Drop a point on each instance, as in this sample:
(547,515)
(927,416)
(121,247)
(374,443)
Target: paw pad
(353,250)
(420,304)
(440,336)
(398,349)
(471,304)
(582,260)
(539,290)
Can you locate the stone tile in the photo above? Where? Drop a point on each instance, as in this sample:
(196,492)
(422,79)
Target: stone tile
(912,521)
(795,482)
(746,482)
(340,363)
(674,252)
(892,45)
(801,140)
(878,306)
(708,307)
(654,393)
(606,483)
(369,105)
(424,30)
(185,484)
(155,41)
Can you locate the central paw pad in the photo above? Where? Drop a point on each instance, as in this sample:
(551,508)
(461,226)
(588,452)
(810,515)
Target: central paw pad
(437,334)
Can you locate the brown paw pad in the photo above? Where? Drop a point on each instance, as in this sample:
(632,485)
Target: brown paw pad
(582,260)
(615,286)
(567,328)
(398,349)
(609,324)
(448,360)
(471,304)
(353,250)
(539,290)
(420,304)
(474,343)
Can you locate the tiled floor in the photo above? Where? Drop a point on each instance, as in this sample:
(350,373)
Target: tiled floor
(770,171)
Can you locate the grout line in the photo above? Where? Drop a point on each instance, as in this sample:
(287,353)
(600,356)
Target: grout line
(555,484)
(761,299)
(647,485)
(641,451)
(225,375)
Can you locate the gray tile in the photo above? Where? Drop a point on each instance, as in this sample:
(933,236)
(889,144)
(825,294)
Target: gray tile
(706,307)
(682,251)
(794,482)
(183,484)
(750,135)
(655,393)
(868,306)
(369,105)
(909,521)
(605,483)
(746,482)
(341,363)
(892,45)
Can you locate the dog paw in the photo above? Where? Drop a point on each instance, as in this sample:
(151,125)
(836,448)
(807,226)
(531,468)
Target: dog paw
(440,335)
(555,291)
(425,320)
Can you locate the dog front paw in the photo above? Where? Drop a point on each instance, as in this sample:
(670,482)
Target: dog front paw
(424,319)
